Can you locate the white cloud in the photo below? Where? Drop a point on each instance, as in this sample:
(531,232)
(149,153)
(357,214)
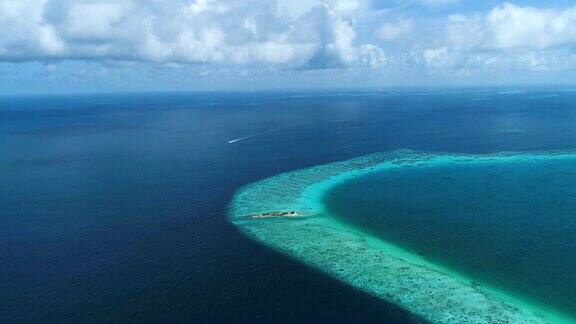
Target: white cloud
(513,27)
(437,57)
(508,37)
(182,31)
(23,33)
(397,30)
(286,35)
(373,56)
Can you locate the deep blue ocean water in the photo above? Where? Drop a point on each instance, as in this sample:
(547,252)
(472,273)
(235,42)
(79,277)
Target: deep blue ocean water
(113,207)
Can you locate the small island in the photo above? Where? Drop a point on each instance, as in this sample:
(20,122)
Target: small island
(276,214)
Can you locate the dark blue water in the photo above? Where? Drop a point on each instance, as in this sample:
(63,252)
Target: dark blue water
(113,207)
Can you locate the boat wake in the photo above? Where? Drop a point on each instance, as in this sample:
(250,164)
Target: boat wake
(261,133)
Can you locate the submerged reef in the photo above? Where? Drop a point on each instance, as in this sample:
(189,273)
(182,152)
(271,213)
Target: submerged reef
(266,210)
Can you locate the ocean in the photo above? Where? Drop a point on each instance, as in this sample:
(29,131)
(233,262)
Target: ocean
(114,207)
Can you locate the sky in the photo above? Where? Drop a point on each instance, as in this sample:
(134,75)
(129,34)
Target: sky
(73,46)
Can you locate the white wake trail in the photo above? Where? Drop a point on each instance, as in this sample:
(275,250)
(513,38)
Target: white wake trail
(236,140)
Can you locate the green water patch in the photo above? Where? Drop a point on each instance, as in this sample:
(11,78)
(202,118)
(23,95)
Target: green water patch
(287,212)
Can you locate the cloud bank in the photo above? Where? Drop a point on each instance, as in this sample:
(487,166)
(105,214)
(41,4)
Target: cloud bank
(290,35)
(508,37)
(201,31)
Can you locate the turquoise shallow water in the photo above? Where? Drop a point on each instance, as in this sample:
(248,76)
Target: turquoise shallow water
(511,224)
(472,238)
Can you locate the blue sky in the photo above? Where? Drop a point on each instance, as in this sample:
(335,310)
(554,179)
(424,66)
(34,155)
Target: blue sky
(143,45)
